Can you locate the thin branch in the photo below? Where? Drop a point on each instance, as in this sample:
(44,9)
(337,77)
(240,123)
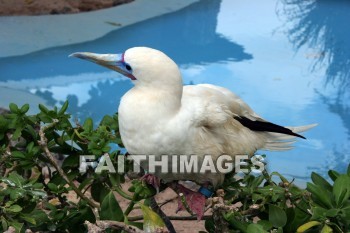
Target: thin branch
(131,205)
(101,226)
(121,192)
(11,169)
(129,208)
(175,218)
(43,145)
(185,204)
(167,201)
(154,206)
(221,225)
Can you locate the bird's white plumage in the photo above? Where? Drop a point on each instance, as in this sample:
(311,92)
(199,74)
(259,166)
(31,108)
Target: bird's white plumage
(166,118)
(160,116)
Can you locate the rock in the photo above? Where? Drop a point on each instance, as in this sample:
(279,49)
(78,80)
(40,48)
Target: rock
(44,7)
(3,111)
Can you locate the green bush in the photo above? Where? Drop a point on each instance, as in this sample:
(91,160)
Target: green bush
(31,199)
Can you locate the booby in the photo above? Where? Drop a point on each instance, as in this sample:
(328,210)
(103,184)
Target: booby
(159,116)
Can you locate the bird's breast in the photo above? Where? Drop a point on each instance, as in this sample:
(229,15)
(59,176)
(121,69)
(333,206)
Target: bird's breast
(146,126)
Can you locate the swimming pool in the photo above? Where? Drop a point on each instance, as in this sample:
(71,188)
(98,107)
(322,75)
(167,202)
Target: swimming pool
(288,59)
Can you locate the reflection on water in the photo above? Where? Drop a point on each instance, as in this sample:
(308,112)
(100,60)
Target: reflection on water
(231,44)
(322,25)
(188,36)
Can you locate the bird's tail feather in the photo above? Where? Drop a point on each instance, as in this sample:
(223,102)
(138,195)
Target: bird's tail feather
(300,129)
(279,142)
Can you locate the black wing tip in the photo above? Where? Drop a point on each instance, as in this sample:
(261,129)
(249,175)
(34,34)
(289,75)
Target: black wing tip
(265,126)
(297,135)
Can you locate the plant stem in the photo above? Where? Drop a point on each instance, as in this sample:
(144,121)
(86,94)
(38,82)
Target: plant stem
(102,226)
(116,187)
(43,145)
(122,193)
(129,209)
(185,204)
(131,205)
(267,177)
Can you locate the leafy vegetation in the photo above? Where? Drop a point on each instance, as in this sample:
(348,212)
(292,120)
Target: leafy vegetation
(36,192)
(268,206)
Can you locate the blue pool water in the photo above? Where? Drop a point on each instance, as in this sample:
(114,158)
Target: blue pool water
(288,59)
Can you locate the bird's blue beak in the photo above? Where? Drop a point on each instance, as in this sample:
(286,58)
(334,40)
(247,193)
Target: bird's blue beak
(112,61)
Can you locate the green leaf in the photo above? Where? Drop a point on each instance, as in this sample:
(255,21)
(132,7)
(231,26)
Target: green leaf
(3,223)
(52,187)
(14,108)
(38,193)
(87,214)
(45,118)
(17,133)
(151,220)
(31,131)
(265,224)
(283,179)
(341,190)
(332,213)
(64,108)
(18,226)
(271,190)
(257,197)
(297,216)
(320,195)
(320,181)
(43,108)
(277,216)
(16,179)
(346,212)
(111,122)
(326,229)
(307,226)
(255,228)
(14,209)
(98,191)
(71,161)
(318,213)
(28,218)
(24,108)
(209,225)
(142,189)
(257,181)
(88,125)
(239,225)
(333,174)
(18,154)
(16,193)
(39,216)
(110,209)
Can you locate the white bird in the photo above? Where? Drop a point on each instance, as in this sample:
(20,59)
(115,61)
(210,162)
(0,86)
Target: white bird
(160,116)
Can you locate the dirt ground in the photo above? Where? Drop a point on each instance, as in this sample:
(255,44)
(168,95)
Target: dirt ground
(169,196)
(45,7)
(167,199)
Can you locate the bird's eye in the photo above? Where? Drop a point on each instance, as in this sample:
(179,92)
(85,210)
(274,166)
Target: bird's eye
(128,67)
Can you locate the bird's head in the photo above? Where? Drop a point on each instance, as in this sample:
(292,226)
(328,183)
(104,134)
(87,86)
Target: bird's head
(144,66)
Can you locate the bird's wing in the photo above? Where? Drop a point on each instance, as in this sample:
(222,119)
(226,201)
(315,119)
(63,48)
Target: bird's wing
(219,106)
(236,105)
(208,107)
